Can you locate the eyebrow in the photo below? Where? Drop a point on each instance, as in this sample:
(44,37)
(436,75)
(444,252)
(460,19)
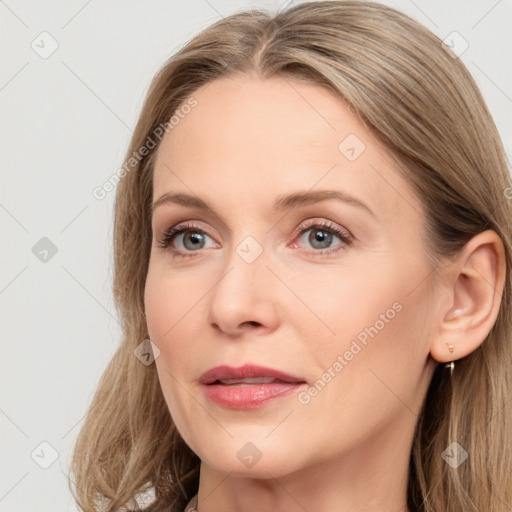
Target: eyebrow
(283,202)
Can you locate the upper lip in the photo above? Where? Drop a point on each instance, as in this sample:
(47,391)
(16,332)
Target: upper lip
(243,372)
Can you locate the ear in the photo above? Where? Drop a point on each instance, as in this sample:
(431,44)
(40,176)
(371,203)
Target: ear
(474,288)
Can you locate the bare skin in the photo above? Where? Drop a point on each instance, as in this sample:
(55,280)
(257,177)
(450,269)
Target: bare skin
(297,306)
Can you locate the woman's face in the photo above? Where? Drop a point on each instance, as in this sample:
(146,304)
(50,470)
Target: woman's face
(276,274)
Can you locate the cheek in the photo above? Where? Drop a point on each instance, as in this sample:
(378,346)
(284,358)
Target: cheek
(166,308)
(346,301)
(156,306)
(170,298)
(371,366)
(368,316)
(175,308)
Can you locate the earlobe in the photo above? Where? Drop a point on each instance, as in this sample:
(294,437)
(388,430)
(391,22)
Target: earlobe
(475,286)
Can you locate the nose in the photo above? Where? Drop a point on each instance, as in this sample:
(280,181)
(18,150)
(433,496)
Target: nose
(244,299)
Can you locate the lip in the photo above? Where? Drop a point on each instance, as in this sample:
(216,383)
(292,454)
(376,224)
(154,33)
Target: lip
(248,396)
(245,372)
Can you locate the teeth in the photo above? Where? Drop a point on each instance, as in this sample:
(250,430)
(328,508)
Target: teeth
(255,380)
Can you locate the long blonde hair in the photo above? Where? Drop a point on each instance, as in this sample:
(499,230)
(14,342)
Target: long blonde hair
(424,106)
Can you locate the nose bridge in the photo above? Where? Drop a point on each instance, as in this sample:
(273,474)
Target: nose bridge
(248,250)
(245,270)
(244,292)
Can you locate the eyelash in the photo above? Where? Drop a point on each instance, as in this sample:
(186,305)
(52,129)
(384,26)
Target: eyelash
(168,237)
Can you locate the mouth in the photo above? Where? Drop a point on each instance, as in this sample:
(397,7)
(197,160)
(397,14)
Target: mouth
(248,386)
(250,382)
(246,373)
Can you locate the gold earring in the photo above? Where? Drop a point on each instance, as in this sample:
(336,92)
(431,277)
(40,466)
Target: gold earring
(451,364)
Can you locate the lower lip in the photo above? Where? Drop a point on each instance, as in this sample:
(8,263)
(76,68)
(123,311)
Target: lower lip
(249,396)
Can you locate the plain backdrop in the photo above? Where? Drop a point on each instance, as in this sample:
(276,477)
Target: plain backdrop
(72,79)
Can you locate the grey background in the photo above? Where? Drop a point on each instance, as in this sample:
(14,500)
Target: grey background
(65,125)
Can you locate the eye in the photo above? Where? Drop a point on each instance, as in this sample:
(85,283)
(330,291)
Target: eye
(321,236)
(191,237)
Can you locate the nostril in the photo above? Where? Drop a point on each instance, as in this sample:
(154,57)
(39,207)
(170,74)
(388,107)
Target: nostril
(253,322)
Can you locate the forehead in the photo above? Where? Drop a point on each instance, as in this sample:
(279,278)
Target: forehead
(250,139)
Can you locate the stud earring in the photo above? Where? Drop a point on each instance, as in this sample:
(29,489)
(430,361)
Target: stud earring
(451,364)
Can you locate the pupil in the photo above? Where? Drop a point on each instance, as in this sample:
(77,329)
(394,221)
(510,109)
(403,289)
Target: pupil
(196,239)
(320,236)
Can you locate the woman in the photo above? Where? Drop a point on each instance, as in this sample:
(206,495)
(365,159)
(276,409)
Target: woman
(312,265)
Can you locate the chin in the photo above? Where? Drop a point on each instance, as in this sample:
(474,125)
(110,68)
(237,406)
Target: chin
(246,459)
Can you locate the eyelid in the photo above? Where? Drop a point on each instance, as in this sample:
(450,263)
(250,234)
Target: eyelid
(169,235)
(327,224)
